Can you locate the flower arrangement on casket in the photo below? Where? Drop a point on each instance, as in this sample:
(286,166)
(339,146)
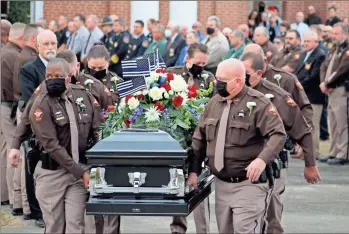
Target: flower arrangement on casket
(168,104)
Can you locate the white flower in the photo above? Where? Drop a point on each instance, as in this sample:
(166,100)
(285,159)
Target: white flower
(88,81)
(145,92)
(155,93)
(250,106)
(205,76)
(277,77)
(133,103)
(152,115)
(163,90)
(122,105)
(79,100)
(137,93)
(178,84)
(154,76)
(114,79)
(269,95)
(166,96)
(170,92)
(148,82)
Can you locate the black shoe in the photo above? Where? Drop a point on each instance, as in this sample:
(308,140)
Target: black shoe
(325,159)
(40,223)
(28,217)
(337,161)
(17,212)
(5,203)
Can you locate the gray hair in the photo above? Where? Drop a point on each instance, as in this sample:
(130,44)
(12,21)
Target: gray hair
(121,22)
(216,19)
(94,18)
(17,30)
(238,34)
(343,27)
(313,34)
(160,28)
(264,30)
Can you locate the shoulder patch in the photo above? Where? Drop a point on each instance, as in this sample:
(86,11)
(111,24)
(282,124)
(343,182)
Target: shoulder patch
(37,90)
(95,102)
(107,92)
(126,39)
(145,43)
(38,114)
(290,101)
(298,84)
(272,110)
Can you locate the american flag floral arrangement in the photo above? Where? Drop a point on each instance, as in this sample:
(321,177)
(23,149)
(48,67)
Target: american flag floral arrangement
(168,103)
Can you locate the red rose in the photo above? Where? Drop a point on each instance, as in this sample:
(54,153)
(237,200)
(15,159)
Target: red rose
(177,101)
(159,106)
(170,76)
(128,97)
(139,97)
(127,122)
(166,86)
(110,108)
(192,91)
(159,70)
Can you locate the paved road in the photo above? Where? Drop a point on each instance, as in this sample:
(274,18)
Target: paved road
(321,208)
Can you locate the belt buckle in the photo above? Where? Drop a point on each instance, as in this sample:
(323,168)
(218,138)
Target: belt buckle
(234,180)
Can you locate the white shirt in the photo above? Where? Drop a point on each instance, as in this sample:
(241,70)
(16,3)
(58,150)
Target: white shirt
(44,61)
(308,54)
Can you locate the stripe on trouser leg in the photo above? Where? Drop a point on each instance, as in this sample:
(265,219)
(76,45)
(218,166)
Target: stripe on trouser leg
(263,221)
(207,214)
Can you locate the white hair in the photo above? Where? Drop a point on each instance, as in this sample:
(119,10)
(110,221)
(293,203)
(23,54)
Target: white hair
(216,19)
(94,18)
(17,30)
(313,35)
(264,30)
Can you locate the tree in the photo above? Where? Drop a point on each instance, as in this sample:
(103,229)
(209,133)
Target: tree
(19,11)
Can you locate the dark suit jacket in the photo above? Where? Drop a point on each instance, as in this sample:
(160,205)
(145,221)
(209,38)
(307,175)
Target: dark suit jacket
(173,51)
(30,77)
(308,74)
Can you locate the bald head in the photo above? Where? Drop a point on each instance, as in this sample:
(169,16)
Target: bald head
(254,48)
(233,68)
(47,44)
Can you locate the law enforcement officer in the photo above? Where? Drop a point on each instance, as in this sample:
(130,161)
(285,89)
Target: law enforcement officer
(150,26)
(286,81)
(139,42)
(295,126)
(159,41)
(288,58)
(9,54)
(334,83)
(97,67)
(63,120)
(240,163)
(5,30)
(107,28)
(261,37)
(120,41)
(193,73)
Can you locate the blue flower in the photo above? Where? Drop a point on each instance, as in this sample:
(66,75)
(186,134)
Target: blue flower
(162,80)
(154,85)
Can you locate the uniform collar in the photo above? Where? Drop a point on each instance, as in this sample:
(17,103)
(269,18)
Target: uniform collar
(236,100)
(30,49)
(13,45)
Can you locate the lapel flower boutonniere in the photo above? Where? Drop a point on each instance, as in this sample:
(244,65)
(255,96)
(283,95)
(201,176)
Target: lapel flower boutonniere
(115,80)
(81,105)
(89,83)
(269,95)
(277,77)
(250,106)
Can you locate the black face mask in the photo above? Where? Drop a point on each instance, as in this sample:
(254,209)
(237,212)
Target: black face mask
(261,8)
(97,74)
(247,80)
(195,70)
(210,31)
(221,88)
(55,87)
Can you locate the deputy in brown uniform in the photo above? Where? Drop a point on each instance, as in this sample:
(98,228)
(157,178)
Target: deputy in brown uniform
(97,66)
(261,37)
(5,30)
(9,54)
(193,73)
(63,120)
(241,133)
(334,78)
(295,126)
(288,58)
(286,81)
(94,86)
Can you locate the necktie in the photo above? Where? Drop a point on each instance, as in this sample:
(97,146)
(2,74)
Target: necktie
(220,143)
(88,40)
(72,41)
(330,66)
(73,129)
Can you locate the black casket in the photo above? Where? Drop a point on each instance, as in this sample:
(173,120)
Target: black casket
(140,172)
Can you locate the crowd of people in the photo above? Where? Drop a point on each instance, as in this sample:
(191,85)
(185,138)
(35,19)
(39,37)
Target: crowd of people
(301,68)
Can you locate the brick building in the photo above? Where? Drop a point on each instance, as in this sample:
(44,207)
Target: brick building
(231,13)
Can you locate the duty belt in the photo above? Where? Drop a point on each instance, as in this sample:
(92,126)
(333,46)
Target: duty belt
(283,155)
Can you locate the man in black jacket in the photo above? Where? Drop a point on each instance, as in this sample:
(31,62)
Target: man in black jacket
(313,18)
(308,73)
(174,46)
(333,19)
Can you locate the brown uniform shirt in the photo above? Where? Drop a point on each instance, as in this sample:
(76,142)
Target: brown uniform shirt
(340,69)
(290,83)
(98,90)
(287,58)
(107,81)
(201,82)
(270,50)
(25,56)
(50,124)
(245,137)
(294,122)
(9,55)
